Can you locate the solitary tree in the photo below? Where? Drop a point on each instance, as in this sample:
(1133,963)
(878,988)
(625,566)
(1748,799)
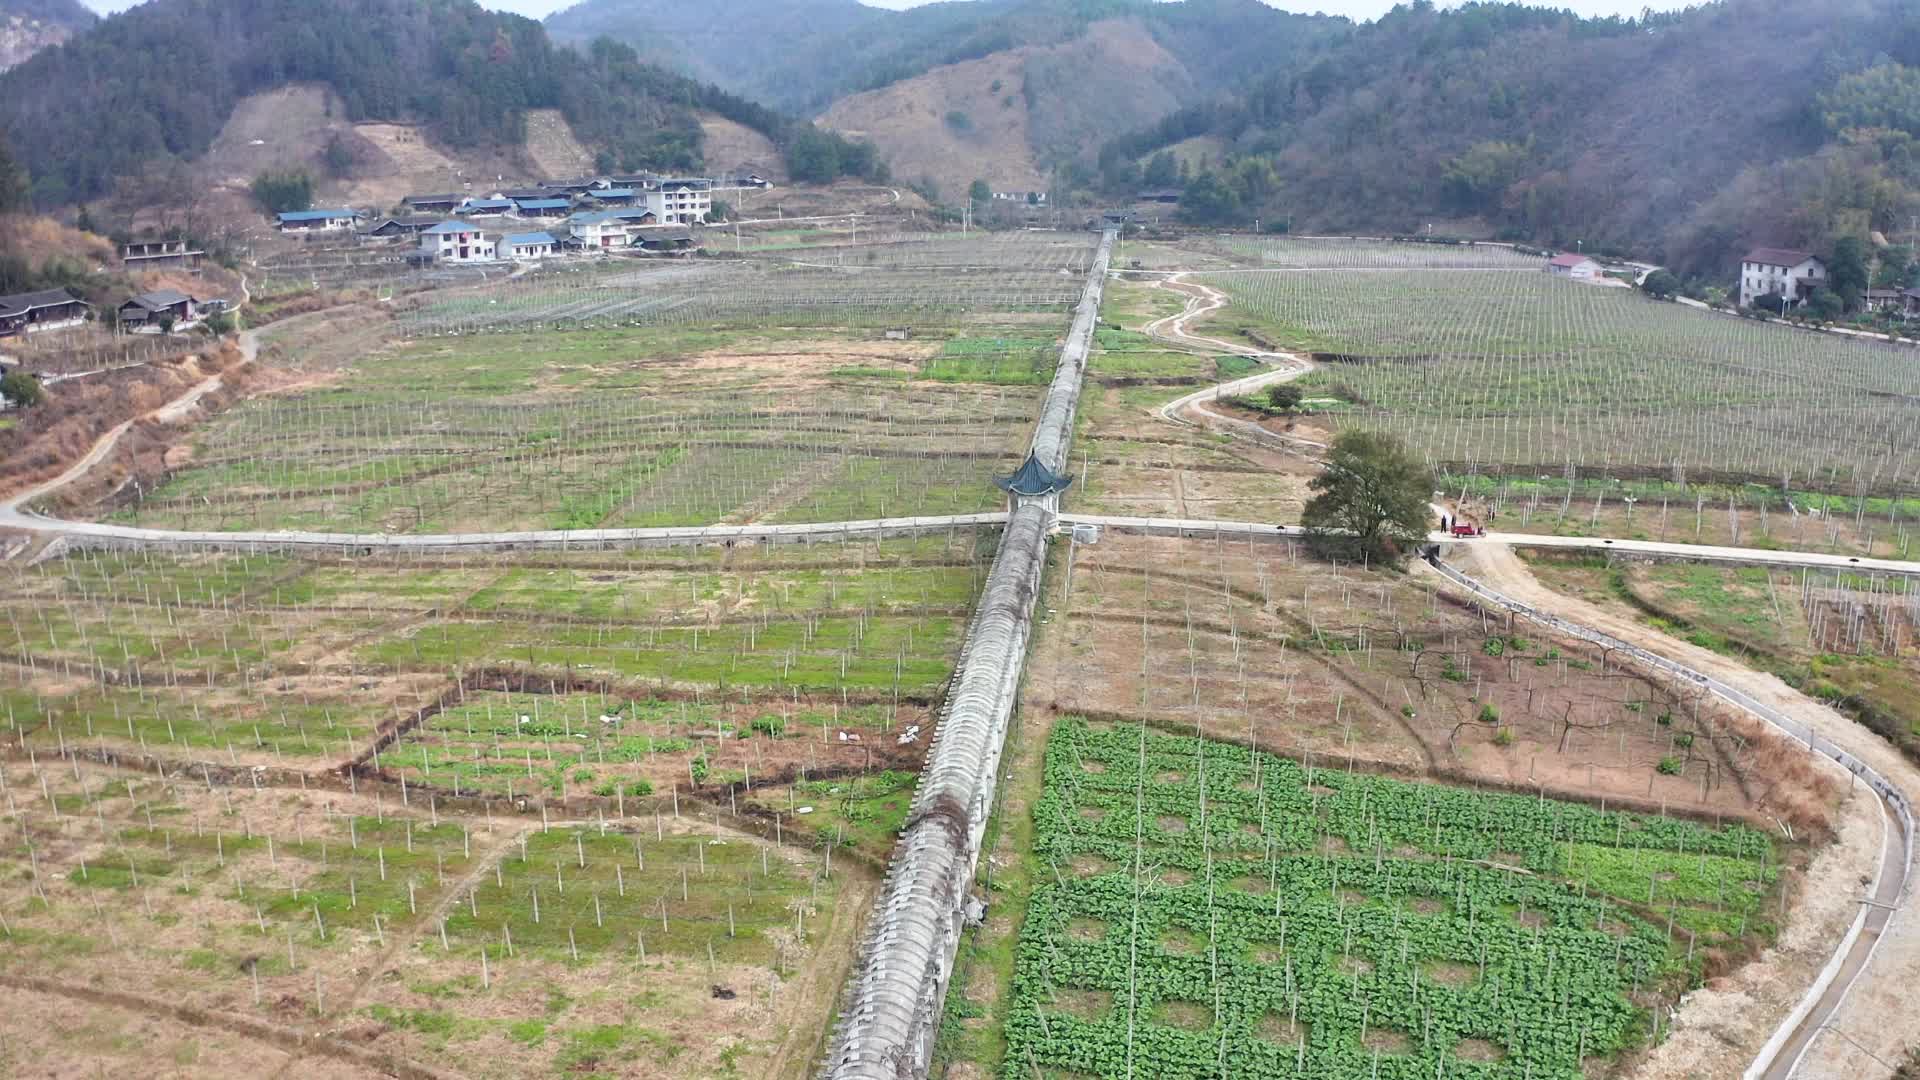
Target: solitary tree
(279,193)
(22,389)
(1826,305)
(980,192)
(1372,498)
(1661,285)
(1284,396)
(1847,271)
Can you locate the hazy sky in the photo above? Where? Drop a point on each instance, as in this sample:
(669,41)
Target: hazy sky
(1357,9)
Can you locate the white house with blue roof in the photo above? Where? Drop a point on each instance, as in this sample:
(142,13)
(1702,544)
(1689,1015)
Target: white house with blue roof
(608,230)
(318,220)
(458,242)
(526,247)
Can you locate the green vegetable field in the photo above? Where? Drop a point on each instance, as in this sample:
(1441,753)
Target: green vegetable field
(1209,911)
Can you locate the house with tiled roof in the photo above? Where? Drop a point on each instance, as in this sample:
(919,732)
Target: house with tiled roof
(161,307)
(458,242)
(33,312)
(1788,272)
(1575,266)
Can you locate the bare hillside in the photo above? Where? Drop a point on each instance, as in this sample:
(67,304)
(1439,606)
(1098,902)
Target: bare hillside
(25,29)
(552,148)
(736,148)
(290,126)
(953,125)
(983,119)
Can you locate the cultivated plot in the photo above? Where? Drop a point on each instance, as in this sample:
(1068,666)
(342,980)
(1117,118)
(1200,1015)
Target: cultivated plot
(1212,908)
(634,669)
(613,429)
(1528,374)
(367,932)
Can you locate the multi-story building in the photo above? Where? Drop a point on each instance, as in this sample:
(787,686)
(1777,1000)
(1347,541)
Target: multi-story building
(679,202)
(458,242)
(1791,274)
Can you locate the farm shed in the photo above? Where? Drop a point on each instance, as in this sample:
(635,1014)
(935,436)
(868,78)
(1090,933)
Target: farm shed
(32,312)
(158,307)
(317,220)
(1577,267)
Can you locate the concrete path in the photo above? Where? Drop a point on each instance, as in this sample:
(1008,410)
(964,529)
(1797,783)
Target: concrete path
(1256,530)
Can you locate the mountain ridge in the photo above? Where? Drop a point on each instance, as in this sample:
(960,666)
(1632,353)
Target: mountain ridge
(466,75)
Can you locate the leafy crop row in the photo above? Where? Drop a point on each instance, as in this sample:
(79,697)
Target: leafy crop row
(1211,911)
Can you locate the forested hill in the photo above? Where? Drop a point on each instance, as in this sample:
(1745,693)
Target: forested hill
(802,55)
(160,80)
(1687,136)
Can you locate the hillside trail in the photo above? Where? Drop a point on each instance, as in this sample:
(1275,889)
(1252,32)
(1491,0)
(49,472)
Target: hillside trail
(1868,1007)
(1201,301)
(168,413)
(12,514)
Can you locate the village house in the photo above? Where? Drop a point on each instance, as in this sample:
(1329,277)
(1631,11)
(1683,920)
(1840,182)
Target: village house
(523,247)
(1791,274)
(664,241)
(611,196)
(581,185)
(515,195)
(1577,267)
(158,309)
(608,230)
(1884,299)
(1911,300)
(680,202)
(433,204)
(310,221)
(1169,196)
(485,207)
(542,208)
(457,242)
(401,227)
(35,312)
(153,254)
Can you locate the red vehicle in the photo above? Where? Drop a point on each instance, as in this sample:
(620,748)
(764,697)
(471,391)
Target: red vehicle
(1463,529)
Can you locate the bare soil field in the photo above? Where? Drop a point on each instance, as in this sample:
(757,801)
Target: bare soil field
(1266,646)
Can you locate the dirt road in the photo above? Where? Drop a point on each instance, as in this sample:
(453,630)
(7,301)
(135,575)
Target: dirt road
(1864,1015)
(171,412)
(1191,410)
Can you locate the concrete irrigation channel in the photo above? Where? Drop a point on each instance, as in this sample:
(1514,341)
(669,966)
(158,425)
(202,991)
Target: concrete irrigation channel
(893,1010)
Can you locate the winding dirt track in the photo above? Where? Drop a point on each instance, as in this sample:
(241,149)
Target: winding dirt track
(1201,300)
